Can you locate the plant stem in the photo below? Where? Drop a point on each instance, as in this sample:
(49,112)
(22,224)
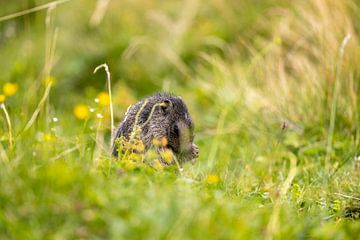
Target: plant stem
(108,78)
(11,144)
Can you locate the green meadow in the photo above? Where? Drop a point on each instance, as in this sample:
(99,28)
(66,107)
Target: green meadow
(273,88)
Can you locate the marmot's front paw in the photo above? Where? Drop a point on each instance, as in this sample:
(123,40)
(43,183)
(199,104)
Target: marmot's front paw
(194,151)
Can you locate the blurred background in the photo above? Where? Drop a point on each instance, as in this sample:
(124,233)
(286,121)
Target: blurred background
(266,81)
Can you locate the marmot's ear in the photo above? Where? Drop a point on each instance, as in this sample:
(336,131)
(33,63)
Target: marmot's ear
(166,106)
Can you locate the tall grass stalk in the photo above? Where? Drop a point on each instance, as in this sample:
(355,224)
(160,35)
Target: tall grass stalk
(98,143)
(64,153)
(215,143)
(99,13)
(138,114)
(108,78)
(11,140)
(32,10)
(151,113)
(51,40)
(3,155)
(39,107)
(273,224)
(334,100)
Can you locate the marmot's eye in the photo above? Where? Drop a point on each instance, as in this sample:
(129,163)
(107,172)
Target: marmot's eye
(176,129)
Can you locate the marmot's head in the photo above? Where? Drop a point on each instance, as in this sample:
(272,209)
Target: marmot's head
(172,120)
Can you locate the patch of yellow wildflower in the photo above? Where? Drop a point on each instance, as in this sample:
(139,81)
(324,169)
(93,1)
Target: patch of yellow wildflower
(81,111)
(212,179)
(130,152)
(132,155)
(134,145)
(10,89)
(104,99)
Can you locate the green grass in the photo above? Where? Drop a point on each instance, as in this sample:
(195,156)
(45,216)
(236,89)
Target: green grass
(273,89)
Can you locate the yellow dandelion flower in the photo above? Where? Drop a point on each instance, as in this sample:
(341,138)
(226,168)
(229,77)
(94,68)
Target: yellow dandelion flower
(81,111)
(48,137)
(104,99)
(157,165)
(212,179)
(156,142)
(2,98)
(164,141)
(10,88)
(160,142)
(167,156)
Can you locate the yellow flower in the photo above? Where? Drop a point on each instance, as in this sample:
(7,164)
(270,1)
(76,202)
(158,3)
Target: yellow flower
(167,156)
(2,98)
(164,141)
(104,99)
(48,137)
(10,88)
(160,142)
(212,179)
(156,142)
(81,111)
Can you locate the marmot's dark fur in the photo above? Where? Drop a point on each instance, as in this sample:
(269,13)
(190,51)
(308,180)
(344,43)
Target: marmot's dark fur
(170,119)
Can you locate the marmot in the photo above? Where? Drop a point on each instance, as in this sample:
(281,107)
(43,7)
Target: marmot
(161,116)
